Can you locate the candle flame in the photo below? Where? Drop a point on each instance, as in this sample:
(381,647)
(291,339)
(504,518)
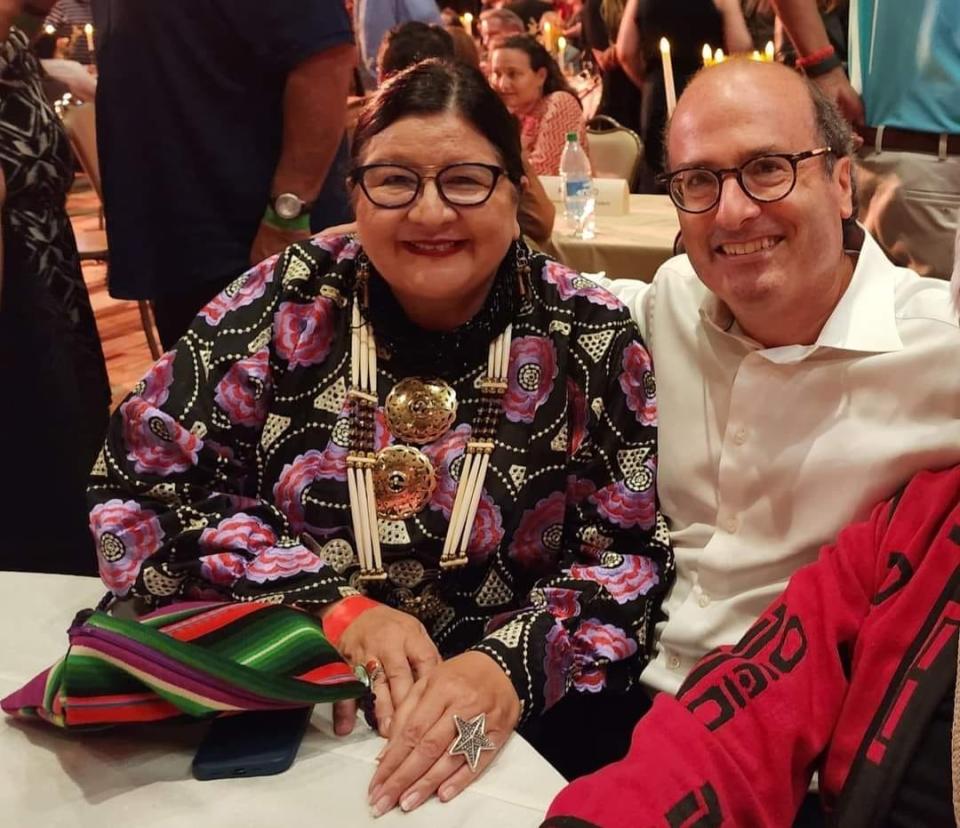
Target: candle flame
(88,28)
(468,18)
(664,46)
(50,29)
(707,54)
(719,56)
(547,27)
(769,50)
(561,43)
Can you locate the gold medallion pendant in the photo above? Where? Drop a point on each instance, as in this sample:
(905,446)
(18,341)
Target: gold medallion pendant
(420,411)
(403,481)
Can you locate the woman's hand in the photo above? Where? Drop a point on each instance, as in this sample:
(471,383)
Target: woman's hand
(416,762)
(405,652)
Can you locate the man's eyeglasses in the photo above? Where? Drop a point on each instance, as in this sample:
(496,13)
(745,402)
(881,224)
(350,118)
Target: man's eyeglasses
(765,178)
(460,185)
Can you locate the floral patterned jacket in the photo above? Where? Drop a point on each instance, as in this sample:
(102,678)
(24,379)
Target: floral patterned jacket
(232,450)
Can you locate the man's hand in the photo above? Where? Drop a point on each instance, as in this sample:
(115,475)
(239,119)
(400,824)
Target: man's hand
(416,762)
(836,86)
(270,240)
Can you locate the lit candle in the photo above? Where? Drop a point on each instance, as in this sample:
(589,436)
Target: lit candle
(548,36)
(88,31)
(769,51)
(50,29)
(670,89)
(561,50)
(467,21)
(707,55)
(756,56)
(719,56)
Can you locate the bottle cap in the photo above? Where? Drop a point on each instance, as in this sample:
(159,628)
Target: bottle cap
(572,136)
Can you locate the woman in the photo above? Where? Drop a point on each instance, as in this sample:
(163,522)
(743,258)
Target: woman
(531,85)
(433,417)
(688,26)
(51,363)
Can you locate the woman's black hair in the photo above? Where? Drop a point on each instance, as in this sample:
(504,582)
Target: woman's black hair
(540,58)
(433,87)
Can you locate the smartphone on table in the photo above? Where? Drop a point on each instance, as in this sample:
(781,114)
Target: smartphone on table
(257,743)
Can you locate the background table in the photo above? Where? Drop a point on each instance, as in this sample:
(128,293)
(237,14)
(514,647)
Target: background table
(632,246)
(140,776)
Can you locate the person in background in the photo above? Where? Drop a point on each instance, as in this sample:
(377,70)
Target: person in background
(374,18)
(69,17)
(56,390)
(529,81)
(235,150)
(688,26)
(464,46)
(906,57)
(433,337)
(497,25)
(621,98)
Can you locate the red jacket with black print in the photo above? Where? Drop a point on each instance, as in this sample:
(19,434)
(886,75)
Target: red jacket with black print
(840,675)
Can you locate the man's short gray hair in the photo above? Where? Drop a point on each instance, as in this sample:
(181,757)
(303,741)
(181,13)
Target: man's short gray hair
(506,18)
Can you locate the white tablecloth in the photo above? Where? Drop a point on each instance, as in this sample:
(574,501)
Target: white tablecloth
(140,777)
(631,246)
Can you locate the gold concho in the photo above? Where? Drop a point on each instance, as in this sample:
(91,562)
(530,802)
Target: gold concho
(403,480)
(420,410)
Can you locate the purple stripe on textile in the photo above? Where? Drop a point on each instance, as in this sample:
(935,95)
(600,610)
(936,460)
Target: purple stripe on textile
(167,669)
(30,695)
(183,606)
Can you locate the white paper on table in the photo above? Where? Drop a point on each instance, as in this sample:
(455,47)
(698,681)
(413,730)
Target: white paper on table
(612,194)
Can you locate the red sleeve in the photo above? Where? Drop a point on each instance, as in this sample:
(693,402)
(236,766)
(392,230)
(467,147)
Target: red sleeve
(742,738)
(562,115)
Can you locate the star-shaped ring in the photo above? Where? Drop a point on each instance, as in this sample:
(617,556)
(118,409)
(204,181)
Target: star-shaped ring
(471,739)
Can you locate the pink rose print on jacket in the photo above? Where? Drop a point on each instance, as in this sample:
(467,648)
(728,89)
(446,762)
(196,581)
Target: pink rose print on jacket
(538,541)
(244,391)
(296,477)
(224,568)
(241,532)
(156,443)
(557,664)
(569,283)
(339,247)
(302,334)
(239,293)
(125,535)
(154,388)
(487,530)
(278,562)
(638,383)
(636,575)
(576,416)
(562,603)
(533,369)
(595,640)
(631,502)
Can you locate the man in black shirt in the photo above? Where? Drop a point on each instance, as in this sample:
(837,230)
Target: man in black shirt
(220,129)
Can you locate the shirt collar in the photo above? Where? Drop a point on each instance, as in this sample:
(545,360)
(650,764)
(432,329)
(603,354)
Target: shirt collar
(863,320)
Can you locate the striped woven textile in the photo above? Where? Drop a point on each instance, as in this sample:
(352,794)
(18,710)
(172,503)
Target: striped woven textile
(194,659)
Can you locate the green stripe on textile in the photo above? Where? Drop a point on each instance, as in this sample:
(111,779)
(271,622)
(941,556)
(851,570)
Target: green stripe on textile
(253,681)
(87,675)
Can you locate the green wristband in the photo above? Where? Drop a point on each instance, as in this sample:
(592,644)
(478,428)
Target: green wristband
(300,223)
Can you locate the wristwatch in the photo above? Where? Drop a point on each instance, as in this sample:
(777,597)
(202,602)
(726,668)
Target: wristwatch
(289,206)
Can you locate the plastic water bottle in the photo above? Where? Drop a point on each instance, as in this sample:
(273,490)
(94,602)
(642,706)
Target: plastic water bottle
(578,194)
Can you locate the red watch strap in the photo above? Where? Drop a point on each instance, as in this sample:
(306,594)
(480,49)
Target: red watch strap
(816,57)
(343,614)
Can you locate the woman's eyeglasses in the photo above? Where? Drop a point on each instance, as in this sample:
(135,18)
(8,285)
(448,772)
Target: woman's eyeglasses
(766,178)
(460,185)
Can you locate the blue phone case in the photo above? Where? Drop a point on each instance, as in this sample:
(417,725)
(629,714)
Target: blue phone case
(251,744)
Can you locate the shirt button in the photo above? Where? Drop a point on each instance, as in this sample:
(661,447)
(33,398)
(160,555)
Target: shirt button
(704,601)
(732,525)
(673,662)
(740,437)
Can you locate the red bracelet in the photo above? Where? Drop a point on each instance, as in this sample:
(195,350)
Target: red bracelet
(343,614)
(816,57)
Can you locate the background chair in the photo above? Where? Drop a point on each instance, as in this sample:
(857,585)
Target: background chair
(81,125)
(615,151)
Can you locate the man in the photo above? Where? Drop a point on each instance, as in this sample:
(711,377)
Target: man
(498,24)
(801,376)
(218,124)
(374,18)
(905,57)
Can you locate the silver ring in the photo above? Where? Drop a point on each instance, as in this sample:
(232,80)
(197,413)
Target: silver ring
(471,739)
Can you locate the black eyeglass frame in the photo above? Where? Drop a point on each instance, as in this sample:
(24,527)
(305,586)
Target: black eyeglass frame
(356,177)
(794,158)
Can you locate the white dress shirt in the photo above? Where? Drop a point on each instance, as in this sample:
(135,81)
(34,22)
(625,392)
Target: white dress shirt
(766,453)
